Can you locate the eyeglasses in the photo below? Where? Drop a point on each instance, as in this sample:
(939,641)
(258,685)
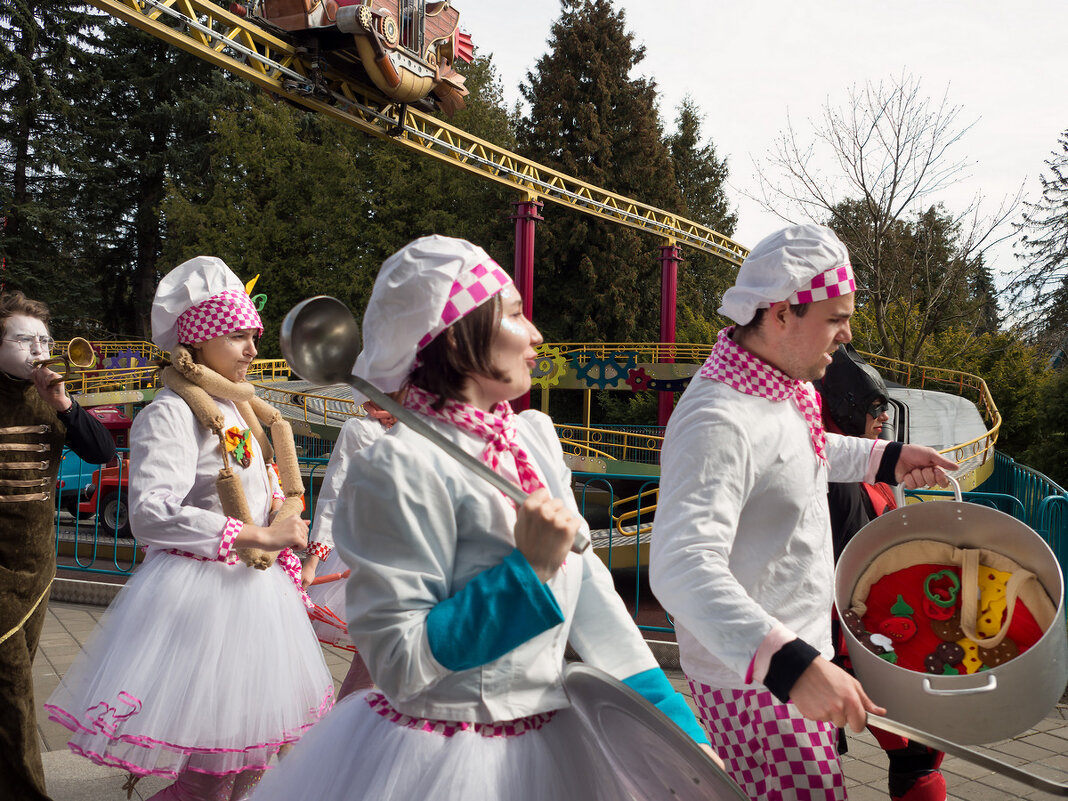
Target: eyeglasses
(26,342)
(877,409)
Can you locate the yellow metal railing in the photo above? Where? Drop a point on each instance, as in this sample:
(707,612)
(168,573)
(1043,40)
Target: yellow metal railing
(976,451)
(622,446)
(623,519)
(646,351)
(107,349)
(309,406)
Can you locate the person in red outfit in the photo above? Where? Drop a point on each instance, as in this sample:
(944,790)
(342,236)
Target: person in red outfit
(856,402)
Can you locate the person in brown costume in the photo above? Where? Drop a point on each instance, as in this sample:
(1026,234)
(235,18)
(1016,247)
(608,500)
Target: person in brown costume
(36,421)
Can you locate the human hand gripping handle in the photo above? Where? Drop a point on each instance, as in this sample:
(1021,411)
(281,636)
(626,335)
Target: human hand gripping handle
(826,692)
(53,392)
(544,532)
(920,466)
(284,532)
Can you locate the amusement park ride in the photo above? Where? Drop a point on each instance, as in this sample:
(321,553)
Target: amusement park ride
(387,67)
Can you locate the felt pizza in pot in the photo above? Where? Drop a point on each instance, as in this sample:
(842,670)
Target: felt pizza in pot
(951,614)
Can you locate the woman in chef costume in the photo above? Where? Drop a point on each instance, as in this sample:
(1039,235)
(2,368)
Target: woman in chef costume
(462,604)
(206,663)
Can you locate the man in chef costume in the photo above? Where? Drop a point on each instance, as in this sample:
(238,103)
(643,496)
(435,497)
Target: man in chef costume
(741,553)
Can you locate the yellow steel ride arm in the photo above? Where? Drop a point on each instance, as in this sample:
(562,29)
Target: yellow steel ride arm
(239,45)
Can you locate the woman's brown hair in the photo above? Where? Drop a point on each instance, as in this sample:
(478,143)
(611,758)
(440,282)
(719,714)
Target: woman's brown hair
(460,351)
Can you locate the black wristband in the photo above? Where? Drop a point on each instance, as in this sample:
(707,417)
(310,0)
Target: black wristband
(69,410)
(786,667)
(888,464)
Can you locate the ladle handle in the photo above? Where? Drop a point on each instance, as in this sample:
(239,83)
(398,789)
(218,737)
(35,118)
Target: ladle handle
(967,754)
(421,427)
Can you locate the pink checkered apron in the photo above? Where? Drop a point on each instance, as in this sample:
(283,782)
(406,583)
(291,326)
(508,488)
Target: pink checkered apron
(769,749)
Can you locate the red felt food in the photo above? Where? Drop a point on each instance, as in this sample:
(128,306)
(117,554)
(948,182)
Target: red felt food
(909,584)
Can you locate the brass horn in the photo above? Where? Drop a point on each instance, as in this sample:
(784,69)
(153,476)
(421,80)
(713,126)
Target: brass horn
(80,355)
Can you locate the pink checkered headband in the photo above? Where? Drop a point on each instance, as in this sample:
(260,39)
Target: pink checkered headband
(229,311)
(469,291)
(198,300)
(420,291)
(800,264)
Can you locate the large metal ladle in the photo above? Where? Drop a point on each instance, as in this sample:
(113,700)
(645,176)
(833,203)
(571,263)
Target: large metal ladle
(320,340)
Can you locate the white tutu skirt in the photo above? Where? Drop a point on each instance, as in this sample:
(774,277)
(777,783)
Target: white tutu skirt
(328,619)
(195,666)
(357,753)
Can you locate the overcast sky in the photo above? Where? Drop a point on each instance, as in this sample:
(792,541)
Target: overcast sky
(748,63)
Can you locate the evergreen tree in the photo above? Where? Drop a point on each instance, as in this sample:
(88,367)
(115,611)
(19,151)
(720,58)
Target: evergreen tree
(595,280)
(315,206)
(147,123)
(43,65)
(702,179)
(1041,288)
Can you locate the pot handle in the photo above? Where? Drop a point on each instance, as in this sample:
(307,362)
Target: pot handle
(899,492)
(990,686)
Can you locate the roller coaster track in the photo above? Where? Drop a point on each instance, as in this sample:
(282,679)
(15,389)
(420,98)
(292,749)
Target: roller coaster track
(251,52)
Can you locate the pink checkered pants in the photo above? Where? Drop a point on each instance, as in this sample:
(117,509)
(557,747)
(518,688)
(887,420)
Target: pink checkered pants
(769,749)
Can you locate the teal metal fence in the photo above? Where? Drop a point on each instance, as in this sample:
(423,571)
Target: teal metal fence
(92,529)
(1044,502)
(93,540)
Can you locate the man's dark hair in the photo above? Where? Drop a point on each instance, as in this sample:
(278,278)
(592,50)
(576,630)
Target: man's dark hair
(799,310)
(12,303)
(461,350)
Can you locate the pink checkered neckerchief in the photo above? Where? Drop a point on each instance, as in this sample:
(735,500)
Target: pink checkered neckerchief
(470,290)
(497,429)
(231,310)
(741,370)
(447,728)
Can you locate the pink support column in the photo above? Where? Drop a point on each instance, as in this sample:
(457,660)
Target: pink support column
(669,285)
(526,215)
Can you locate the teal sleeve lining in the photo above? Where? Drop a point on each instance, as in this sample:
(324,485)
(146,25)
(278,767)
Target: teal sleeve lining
(655,688)
(499,609)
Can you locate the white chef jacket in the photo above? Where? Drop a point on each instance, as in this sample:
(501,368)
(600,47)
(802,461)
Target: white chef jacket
(742,536)
(415,527)
(174,462)
(355,435)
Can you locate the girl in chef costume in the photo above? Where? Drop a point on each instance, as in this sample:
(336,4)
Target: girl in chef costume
(204,666)
(462,604)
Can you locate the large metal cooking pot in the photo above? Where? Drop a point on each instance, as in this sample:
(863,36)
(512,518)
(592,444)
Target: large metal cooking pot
(981,707)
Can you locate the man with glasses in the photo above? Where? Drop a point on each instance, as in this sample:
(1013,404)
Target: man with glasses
(36,420)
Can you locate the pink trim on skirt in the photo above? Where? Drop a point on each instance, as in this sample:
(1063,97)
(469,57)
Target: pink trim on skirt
(97,716)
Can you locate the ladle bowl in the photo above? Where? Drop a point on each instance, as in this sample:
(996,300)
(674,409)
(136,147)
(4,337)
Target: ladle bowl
(320,340)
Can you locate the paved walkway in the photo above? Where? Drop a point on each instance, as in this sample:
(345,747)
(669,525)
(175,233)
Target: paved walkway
(1042,750)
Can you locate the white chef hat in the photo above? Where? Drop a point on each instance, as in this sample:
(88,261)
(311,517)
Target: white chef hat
(421,290)
(800,264)
(198,300)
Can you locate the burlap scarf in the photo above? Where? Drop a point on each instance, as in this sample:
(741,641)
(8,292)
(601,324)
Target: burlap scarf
(197,385)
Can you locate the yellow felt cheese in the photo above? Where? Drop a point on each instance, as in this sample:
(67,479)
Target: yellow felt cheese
(971,662)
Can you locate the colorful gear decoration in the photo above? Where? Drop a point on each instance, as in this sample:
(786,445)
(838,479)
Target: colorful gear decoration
(638,379)
(603,373)
(549,367)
